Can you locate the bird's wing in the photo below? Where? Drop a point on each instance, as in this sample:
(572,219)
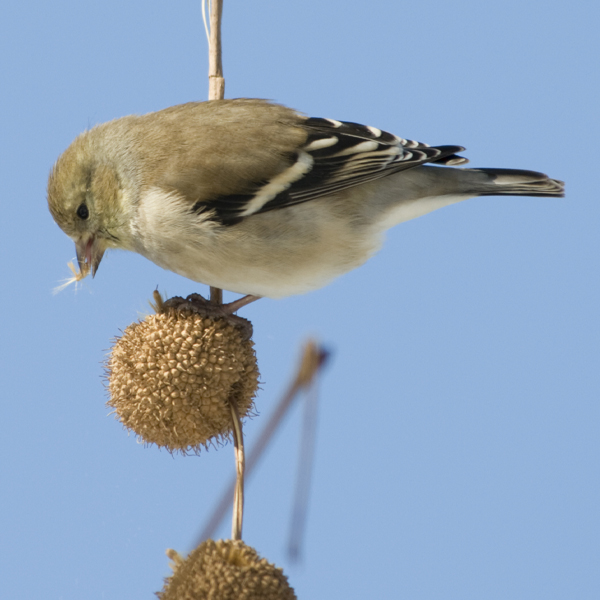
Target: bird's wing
(335,156)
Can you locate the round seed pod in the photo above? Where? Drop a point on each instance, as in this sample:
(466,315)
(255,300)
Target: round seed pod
(171,377)
(227,570)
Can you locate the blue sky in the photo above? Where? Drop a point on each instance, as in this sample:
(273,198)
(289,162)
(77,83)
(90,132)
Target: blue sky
(457,448)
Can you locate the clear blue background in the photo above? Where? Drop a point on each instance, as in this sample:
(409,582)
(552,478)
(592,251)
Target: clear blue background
(457,451)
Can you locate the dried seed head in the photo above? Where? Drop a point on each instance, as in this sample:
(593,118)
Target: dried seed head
(171,378)
(227,570)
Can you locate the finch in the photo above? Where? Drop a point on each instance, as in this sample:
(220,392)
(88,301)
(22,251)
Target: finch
(253,197)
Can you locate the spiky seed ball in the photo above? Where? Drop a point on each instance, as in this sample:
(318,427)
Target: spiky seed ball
(171,376)
(225,570)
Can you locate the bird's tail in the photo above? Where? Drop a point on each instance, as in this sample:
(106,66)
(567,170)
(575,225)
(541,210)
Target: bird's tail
(513,182)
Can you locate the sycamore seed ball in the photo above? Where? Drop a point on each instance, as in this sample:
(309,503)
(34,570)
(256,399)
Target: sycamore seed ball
(172,376)
(225,570)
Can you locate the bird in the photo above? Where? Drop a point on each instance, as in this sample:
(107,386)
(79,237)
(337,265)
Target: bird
(253,197)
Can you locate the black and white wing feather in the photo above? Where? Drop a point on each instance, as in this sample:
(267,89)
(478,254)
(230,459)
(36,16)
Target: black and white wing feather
(336,155)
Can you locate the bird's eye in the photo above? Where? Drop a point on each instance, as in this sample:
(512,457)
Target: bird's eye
(83,212)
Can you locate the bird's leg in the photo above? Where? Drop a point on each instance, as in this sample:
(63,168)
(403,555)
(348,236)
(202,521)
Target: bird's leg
(216,295)
(231,307)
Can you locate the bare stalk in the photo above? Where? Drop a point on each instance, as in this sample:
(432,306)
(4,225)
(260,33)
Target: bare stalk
(216,81)
(313,359)
(304,474)
(240,464)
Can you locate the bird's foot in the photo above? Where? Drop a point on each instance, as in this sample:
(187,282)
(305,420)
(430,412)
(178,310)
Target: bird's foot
(200,305)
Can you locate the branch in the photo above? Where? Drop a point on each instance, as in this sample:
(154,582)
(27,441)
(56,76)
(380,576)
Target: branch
(216,81)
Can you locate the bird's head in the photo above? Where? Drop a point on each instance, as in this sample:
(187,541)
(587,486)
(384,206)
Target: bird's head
(85,197)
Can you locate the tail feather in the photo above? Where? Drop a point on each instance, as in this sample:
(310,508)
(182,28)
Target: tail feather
(516,182)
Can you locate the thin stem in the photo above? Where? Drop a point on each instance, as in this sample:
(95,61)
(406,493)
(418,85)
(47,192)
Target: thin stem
(216,81)
(204,19)
(313,359)
(304,473)
(240,464)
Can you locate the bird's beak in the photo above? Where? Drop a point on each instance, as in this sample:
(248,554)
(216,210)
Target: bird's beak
(90,251)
